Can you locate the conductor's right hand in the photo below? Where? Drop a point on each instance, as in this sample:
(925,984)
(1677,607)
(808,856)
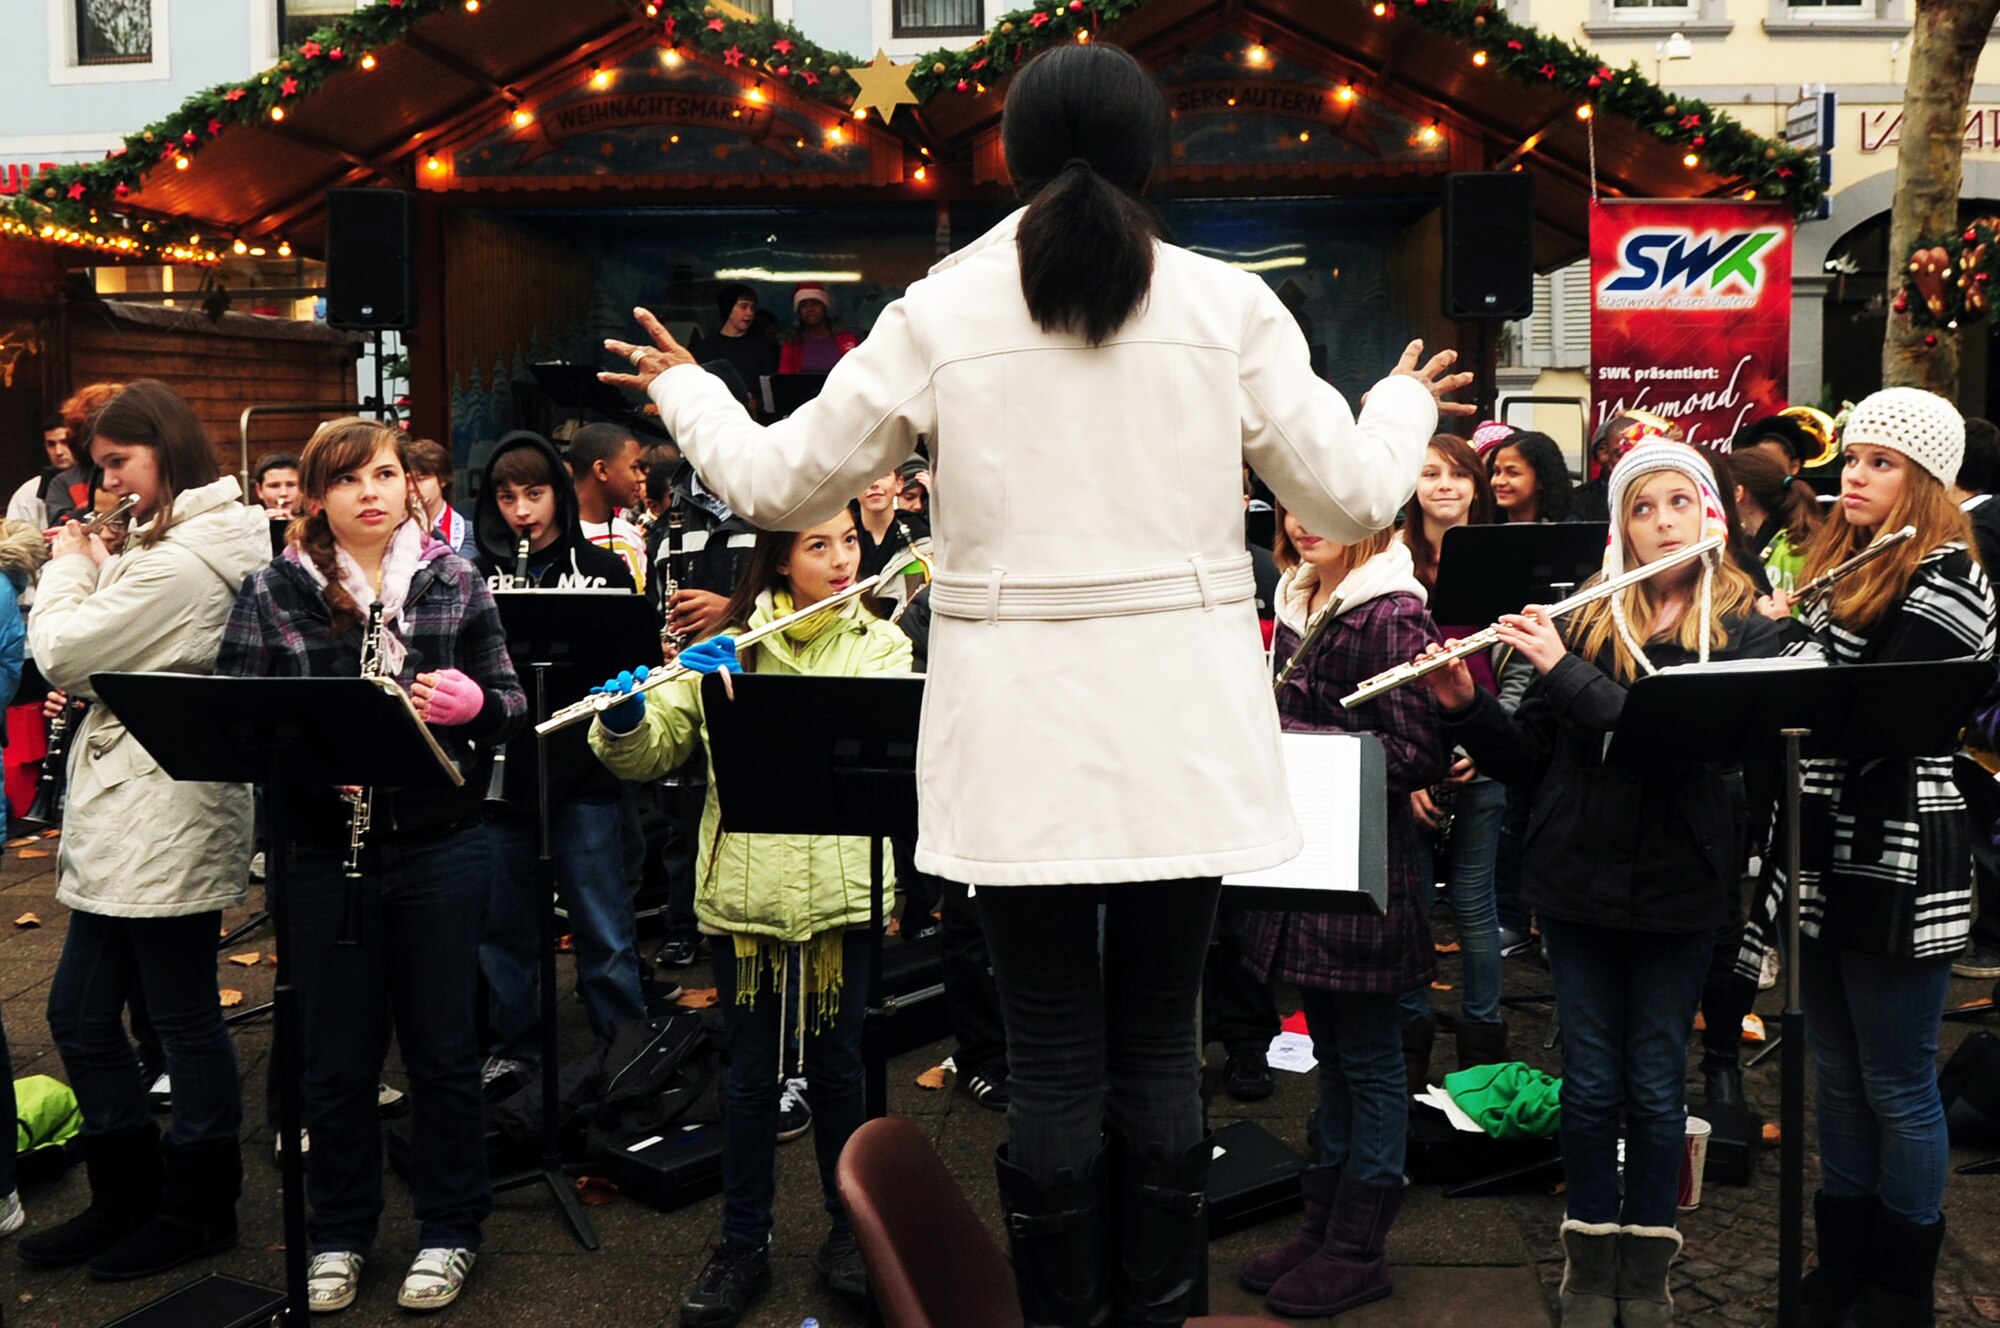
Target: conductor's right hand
(1434,378)
(1452,685)
(629,713)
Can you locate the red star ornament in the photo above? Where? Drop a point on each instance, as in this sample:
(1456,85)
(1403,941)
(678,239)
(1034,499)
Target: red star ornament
(782,46)
(812,79)
(715,25)
(234,94)
(1039,19)
(310,50)
(288,87)
(732,56)
(1690,122)
(76,190)
(1548,72)
(214,128)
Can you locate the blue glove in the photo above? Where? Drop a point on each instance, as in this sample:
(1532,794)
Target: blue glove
(629,713)
(713,654)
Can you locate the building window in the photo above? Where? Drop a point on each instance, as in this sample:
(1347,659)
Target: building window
(1647,8)
(1841,7)
(299,19)
(114,32)
(756,8)
(938,18)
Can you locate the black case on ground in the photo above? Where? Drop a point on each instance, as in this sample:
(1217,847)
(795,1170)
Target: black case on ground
(1253,1178)
(1438,1154)
(1733,1140)
(671,1169)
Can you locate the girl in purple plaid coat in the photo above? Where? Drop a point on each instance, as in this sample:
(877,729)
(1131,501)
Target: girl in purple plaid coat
(1351,969)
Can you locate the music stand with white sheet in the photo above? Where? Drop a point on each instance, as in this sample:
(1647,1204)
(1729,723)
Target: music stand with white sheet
(1340,793)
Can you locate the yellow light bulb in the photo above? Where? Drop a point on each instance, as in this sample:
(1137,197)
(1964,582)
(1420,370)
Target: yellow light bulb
(1344,94)
(1585,111)
(277,112)
(1479,59)
(1257,55)
(180,163)
(921,174)
(523,118)
(671,58)
(433,165)
(1691,161)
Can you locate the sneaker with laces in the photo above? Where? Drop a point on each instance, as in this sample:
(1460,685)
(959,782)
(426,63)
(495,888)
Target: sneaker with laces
(795,1115)
(12,1216)
(838,1260)
(986,1087)
(733,1277)
(435,1278)
(160,1096)
(681,952)
(500,1076)
(333,1281)
(1976,960)
(1767,972)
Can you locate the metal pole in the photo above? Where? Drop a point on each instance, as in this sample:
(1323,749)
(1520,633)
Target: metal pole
(1792,1148)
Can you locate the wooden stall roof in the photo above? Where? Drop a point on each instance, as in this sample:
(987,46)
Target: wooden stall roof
(454,71)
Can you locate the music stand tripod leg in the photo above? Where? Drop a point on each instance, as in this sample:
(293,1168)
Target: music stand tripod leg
(1792,1151)
(291,1064)
(875,1037)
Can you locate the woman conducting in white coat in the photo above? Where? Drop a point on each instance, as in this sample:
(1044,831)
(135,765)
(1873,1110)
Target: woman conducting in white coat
(1098,729)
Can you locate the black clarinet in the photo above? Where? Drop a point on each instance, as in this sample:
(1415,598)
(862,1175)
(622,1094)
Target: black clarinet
(46,813)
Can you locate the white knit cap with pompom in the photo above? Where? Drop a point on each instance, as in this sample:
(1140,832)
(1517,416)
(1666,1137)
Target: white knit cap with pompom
(1922,425)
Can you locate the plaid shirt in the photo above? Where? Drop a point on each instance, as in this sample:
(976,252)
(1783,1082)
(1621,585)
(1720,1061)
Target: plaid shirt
(280,628)
(1361,952)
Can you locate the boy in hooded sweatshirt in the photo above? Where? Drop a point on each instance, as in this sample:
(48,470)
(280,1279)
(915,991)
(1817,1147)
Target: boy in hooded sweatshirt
(527,499)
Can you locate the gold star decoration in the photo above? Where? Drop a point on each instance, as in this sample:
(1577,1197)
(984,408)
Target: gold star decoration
(884,85)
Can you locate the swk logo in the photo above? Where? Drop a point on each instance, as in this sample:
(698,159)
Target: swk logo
(1682,269)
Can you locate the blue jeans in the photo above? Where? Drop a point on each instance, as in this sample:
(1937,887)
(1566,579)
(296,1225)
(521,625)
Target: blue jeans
(1364,1103)
(1470,857)
(172,961)
(1627,1000)
(589,855)
(832,1067)
(1097,1032)
(1872,1024)
(423,902)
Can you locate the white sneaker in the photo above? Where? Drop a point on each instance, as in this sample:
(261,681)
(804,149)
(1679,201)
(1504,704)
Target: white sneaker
(160,1097)
(795,1115)
(435,1279)
(1767,974)
(278,1145)
(333,1281)
(500,1074)
(12,1216)
(390,1102)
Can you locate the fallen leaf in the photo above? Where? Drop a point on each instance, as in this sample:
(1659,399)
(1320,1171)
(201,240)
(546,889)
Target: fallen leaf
(1449,947)
(696,998)
(1987,1306)
(1753,1028)
(931,1078)
(1700,1021)
(595,1191)
(1772,1134)
(231,998)
(52,834)
(27,920)
(1441,986)
(563,943)
(22,842)
(36,853)
(249,958)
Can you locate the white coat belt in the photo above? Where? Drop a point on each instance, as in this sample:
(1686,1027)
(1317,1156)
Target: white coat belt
(1198,583)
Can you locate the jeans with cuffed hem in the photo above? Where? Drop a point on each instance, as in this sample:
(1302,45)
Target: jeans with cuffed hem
(1364,1100)
(1872,1023)
(1471,856)
(586,842)
(172,960)
(1097,1031)
(1627,1000)
(417,966)
(757,1070)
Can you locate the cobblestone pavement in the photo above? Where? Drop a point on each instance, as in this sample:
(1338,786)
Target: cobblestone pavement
(1491,1262)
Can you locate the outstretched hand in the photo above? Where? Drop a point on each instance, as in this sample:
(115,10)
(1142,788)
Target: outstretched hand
(1434,378)
(648,362)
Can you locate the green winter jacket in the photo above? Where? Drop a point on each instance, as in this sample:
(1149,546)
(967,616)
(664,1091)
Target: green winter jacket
(787,887)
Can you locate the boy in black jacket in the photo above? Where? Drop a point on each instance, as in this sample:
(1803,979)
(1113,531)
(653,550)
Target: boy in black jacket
(527,496)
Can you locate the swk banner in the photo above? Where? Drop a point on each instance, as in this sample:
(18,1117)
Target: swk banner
(1690,312)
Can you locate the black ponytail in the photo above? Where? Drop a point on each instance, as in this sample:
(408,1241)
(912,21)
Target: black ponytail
(1083,130)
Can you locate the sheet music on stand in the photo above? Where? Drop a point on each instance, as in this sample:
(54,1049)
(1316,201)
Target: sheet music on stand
(1339,792)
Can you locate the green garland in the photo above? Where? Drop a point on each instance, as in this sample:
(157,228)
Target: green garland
(85,203)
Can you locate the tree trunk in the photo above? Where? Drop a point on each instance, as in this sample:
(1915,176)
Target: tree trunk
(1945,48)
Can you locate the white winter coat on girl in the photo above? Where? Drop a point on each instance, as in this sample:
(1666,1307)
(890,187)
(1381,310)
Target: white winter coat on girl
(135,843)
(1098,708)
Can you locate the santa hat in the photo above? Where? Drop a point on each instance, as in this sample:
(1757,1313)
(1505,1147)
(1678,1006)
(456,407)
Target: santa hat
(1490,434)
(810,290)
(1650,458)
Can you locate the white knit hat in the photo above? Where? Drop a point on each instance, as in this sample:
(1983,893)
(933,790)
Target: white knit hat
(1649,458)
(1921,425)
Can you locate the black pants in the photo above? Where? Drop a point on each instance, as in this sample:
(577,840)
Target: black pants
(1237,1010)
(969,995)
(1099,1031)
(1507,902)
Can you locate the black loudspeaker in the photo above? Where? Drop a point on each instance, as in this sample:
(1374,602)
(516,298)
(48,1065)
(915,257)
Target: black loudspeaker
(370,234)
(1489,245)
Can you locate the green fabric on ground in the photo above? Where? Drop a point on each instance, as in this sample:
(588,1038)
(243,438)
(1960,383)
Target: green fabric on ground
(1509,1101)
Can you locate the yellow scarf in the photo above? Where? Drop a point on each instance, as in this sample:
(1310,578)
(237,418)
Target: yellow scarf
(802,632)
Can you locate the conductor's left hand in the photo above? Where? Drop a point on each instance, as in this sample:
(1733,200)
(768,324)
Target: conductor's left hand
(1434,378)
(649,361)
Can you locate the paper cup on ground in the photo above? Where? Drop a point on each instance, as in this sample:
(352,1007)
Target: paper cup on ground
(1694,1157)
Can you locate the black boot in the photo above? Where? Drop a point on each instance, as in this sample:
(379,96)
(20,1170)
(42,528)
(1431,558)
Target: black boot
(124,1171)
(1057,1233)
(1162,1231)
(1722,1086)
(1418,1036)
(1841,1224)
(1897,1272)
(197,1214)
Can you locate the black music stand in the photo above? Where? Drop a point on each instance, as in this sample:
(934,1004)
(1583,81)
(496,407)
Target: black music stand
(796,755)
(1486,571)
(1720,713)
(582,637)
(278,733)
(785,393)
